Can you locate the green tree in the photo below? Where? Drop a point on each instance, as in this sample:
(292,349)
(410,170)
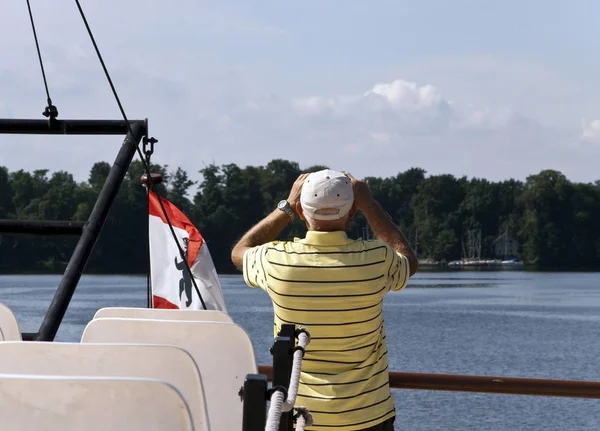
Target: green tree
(554,219)
(178,189)
(547,226)
(7,207)
(436,206)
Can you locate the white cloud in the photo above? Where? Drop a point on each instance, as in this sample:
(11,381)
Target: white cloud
(401,98)
(403,95)
(381,137)
(590,130)
(396,125)
(399,108)
(388,128)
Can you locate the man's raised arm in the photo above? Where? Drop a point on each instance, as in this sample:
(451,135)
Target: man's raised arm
(268,228)
(381,223)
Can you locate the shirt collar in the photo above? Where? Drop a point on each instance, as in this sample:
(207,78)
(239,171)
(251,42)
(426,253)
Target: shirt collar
(314,237)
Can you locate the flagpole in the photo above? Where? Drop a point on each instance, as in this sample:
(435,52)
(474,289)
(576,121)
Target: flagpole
(155,179)
(148,275)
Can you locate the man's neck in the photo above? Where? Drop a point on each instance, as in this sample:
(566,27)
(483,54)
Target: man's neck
(327,226)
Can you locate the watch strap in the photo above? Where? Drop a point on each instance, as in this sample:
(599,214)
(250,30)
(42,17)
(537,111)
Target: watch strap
(286,208)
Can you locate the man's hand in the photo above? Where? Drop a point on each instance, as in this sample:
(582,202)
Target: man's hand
(363,198)
(294,196)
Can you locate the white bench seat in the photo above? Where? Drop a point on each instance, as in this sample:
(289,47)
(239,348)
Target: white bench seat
(162,313)
(33,403)
(223,352)
(9,327)
(170,364)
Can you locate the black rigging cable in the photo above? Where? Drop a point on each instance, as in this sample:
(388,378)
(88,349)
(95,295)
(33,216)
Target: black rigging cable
(51,112)
(146,166)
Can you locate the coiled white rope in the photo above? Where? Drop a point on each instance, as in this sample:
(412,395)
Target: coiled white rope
(278,405)
(274,414)
(304,418)
(303,340)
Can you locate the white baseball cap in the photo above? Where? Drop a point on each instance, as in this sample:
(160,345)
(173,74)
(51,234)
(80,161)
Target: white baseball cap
(326,195)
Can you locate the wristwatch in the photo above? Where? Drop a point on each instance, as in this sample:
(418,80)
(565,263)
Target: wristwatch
(285,206)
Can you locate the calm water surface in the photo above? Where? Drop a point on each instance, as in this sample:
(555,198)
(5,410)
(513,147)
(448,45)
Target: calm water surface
(543,325)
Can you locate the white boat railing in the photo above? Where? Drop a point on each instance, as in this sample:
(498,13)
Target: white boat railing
(279,403)
(281,397)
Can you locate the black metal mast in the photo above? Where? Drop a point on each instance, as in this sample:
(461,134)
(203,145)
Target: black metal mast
(90,230)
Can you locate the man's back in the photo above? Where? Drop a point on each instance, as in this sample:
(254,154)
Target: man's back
(334,287)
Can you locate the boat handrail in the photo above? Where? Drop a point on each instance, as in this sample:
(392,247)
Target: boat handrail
(485,384)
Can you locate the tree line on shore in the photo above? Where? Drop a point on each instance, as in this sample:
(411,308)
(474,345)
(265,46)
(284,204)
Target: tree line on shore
(551,222)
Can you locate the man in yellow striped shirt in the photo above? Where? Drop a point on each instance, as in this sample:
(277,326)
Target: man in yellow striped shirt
(334,286)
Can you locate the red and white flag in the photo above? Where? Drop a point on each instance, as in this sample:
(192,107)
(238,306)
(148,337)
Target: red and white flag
(172,287)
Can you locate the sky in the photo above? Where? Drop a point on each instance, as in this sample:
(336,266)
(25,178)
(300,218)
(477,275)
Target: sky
(491,89)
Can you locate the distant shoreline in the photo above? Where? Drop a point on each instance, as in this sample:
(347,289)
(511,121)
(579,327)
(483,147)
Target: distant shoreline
(422,269)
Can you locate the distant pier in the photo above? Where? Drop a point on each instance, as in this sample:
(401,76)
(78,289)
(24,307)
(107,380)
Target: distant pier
(499,264)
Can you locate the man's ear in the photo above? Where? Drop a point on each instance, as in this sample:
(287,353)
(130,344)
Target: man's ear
(299,211)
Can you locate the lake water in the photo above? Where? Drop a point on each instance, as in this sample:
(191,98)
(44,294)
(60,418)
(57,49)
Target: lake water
(521,324)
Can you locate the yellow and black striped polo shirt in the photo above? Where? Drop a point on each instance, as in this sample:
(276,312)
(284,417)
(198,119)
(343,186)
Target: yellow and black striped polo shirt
(334,286)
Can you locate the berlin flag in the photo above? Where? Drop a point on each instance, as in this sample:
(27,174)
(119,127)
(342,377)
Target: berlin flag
(172,287)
